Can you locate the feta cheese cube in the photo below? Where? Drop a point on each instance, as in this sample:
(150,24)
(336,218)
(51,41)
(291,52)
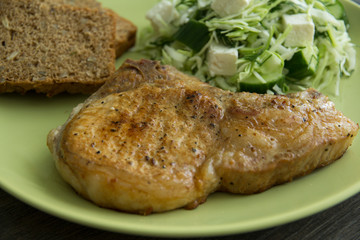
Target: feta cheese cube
(229,7)
(161,14)
(302,32)
(222,60)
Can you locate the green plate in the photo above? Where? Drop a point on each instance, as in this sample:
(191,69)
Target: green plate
(27,170)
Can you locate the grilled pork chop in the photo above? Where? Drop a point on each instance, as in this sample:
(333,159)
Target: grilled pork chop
(154,139)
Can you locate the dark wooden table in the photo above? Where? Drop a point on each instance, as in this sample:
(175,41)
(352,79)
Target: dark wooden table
(19,221)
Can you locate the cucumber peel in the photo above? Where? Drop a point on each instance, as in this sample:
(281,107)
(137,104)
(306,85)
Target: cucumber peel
(193,34)
(253,84)
(302,64)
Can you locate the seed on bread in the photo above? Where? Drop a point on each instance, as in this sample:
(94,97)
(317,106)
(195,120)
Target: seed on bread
(5,22)
(12,55)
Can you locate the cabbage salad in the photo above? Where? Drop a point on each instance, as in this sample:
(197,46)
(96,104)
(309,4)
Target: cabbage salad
(274,46)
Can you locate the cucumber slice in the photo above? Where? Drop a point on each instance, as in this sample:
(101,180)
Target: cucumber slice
(338,11)
(302,64)
(269,66)
(193,34)
(270,63)
(253,84)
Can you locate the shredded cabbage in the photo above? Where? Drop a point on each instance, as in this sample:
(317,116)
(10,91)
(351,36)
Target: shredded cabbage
(256,29)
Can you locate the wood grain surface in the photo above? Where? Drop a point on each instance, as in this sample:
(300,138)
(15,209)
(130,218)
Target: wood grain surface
(18,221)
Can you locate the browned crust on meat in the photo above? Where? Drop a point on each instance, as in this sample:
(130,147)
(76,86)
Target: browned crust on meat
(155,139)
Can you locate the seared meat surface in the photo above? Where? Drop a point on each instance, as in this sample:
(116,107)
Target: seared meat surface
(154,139)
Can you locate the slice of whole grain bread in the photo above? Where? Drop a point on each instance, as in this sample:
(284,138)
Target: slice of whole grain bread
(125,35)
(51,48)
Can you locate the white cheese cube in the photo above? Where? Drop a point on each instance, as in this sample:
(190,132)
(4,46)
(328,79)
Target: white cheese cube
(222,60)
(302,32)
(229,7)
(161,14)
